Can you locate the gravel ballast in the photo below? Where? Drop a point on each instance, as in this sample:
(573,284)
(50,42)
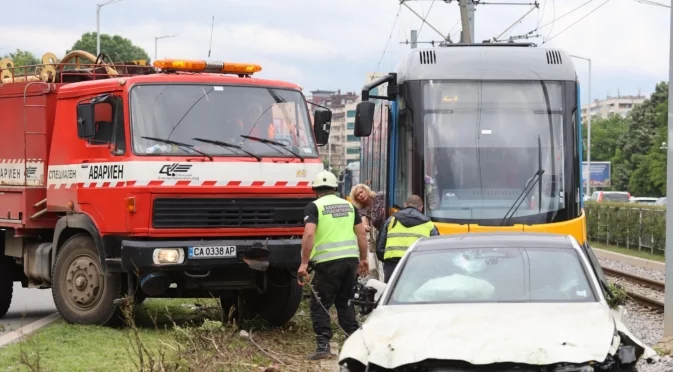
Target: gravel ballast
(645,273)
(646,325)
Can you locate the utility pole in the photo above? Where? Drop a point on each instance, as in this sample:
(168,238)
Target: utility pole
(465,21)
(98,6)
(414,39)
(155,43)
(470,18)
(588,128)
(668,294)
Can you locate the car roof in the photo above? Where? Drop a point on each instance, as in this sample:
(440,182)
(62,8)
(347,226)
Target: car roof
(494,240)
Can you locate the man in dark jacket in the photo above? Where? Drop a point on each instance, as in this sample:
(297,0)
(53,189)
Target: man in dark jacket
(400,231)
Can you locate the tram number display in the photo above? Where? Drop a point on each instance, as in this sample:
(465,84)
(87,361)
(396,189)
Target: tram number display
(212,252)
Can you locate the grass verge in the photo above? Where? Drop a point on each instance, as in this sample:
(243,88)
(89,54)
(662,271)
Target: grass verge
(629,252)
(171,335)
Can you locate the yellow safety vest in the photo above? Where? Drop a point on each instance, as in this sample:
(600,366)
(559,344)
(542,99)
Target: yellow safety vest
(334,236)
(400,237)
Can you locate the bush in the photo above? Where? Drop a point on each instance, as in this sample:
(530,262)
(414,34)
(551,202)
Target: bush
(633,226)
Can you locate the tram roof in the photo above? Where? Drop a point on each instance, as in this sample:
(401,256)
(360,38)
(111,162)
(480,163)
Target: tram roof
(486,62)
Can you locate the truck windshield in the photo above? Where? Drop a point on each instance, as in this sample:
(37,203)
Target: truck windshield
(485,139)
(181,113)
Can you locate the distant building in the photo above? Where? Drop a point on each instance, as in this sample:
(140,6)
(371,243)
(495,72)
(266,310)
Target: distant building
(620,105)
(335,152)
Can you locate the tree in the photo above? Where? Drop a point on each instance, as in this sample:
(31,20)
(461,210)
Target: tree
(649,176)
(118,48)
(638,154)
(604,136)
(22,58)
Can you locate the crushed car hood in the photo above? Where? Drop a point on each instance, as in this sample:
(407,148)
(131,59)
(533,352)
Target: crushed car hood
(537,334)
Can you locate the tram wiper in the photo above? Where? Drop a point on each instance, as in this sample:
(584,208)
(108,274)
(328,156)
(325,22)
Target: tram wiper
(529,186)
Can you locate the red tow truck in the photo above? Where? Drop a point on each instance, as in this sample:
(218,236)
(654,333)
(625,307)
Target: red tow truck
(184,178)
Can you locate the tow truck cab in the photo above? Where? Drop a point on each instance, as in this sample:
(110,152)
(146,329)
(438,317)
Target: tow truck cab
(186,179)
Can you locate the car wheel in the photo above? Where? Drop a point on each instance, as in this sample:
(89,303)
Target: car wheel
(81,292)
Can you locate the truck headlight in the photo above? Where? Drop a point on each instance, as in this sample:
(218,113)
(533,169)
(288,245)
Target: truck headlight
(163,256)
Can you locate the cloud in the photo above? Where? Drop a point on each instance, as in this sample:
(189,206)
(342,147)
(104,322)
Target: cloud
(333,44)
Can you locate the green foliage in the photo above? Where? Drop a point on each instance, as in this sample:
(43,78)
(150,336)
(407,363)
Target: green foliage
(604,136)
(627,225)
(118,48)
(22,58)
(638,163)
(619,296)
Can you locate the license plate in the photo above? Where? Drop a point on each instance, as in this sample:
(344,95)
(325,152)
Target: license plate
(212,252)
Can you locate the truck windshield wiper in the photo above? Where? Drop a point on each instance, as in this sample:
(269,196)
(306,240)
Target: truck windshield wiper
(270,142)
(180,145)
(227,145)
(529,186)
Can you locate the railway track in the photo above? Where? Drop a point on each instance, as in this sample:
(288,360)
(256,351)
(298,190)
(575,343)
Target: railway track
(654,304)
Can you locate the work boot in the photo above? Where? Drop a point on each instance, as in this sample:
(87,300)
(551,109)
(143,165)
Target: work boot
(321,352)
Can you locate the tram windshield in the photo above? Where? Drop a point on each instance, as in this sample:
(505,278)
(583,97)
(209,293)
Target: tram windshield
(485,142)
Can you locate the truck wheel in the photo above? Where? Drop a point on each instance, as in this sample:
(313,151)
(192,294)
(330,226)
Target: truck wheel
(81,292)
(6,284)
(281,300)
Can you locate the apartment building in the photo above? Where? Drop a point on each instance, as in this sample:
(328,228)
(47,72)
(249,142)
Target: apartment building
(335,153)
(620,105)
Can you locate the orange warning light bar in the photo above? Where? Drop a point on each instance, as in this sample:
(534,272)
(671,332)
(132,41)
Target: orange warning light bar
(203,66)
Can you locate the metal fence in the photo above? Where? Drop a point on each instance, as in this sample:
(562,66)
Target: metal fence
(638,228)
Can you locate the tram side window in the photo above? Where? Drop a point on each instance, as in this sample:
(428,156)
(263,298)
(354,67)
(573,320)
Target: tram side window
(404,156)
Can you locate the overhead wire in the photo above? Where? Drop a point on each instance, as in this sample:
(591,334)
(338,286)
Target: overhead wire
(540,18)
(648,2)
(553,22)
(574,23)
(560,17)
(392,29)
(425,17)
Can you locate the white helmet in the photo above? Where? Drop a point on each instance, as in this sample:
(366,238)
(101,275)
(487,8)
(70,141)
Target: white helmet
(325,179)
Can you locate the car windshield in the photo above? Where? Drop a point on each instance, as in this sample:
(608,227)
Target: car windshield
(180,113)
(485,142)
(492,275)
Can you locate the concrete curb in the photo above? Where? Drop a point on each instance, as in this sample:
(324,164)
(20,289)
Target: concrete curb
(634,261)
(30,328)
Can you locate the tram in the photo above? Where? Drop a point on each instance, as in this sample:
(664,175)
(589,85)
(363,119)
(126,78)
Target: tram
(488,134)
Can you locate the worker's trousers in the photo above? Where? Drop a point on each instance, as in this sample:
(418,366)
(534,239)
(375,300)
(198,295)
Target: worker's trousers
(334,282)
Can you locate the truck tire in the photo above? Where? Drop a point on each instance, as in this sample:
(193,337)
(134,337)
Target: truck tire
(281,300)
(6,284)
(83,295)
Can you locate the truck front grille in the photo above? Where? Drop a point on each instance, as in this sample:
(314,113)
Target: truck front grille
(228,212)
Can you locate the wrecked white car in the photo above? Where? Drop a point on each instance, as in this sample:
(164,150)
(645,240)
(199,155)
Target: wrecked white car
(493,302)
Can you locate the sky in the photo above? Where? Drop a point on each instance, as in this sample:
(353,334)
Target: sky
(321,44)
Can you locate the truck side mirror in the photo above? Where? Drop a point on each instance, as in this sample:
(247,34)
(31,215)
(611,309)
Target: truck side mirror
(322,120)
(364,119)
(85,120)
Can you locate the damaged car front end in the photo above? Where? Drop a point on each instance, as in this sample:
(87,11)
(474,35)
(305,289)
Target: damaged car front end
(461,305)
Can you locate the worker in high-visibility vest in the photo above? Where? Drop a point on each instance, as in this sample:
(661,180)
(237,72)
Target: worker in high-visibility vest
(334,241)
(400,231)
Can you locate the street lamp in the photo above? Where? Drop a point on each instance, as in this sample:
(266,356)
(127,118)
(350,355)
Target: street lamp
(588,129)
(155,43)
(98,6)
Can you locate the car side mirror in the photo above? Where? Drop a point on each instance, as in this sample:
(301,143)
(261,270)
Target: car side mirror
(364,119)
(322,119)
(85,120)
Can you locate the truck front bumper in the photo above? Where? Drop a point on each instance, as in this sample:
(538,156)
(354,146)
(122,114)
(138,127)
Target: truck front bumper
(187,276)
(140,256)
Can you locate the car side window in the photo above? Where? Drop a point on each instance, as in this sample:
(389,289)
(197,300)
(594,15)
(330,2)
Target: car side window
(109,125)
